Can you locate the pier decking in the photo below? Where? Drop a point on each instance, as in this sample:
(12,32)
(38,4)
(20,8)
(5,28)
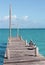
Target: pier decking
(18,54)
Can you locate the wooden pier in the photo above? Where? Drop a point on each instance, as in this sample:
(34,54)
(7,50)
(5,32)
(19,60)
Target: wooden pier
(17,53)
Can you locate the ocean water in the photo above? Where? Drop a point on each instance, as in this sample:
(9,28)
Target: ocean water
(36,35)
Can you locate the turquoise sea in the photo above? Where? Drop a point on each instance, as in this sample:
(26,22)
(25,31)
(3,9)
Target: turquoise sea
(36,35)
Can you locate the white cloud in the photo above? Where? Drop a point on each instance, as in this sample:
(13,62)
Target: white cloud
(14,17)
(25,17)
(23,22)
(7,18)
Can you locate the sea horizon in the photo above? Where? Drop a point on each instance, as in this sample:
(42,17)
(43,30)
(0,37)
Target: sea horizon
(23,28)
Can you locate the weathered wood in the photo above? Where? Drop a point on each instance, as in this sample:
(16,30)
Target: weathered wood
(17,51)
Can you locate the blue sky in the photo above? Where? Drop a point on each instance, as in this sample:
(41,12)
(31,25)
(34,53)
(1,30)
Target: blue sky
(25,13)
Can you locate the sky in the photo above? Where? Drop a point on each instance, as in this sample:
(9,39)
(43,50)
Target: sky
(25,13)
